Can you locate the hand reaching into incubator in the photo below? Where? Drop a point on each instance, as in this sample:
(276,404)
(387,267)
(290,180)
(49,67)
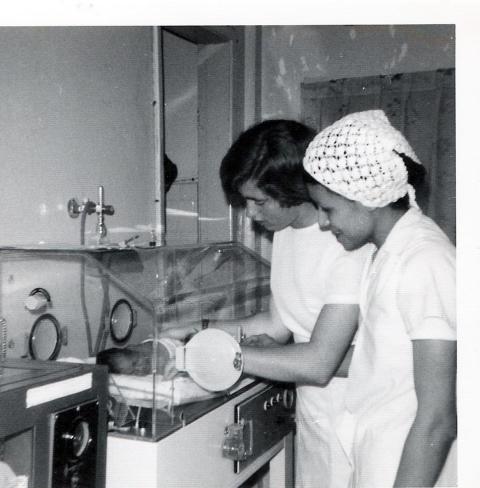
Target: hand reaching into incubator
(185,332)
(260,340)
(181,333)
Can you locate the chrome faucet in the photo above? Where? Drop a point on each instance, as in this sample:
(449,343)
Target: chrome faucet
(102,210)
(88,207)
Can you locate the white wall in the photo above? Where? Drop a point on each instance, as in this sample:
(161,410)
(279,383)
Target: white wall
(181,103)
(295,54)
(76,113)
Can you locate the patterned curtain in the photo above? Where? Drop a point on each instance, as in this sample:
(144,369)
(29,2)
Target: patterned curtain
(421,105)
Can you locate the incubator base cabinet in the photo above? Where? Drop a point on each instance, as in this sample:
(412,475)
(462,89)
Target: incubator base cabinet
(58,303)
(52,424)
(192,456)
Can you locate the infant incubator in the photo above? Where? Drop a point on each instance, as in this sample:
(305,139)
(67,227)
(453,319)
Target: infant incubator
(68,304)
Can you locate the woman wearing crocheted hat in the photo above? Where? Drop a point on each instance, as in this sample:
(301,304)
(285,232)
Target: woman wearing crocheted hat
(400,411)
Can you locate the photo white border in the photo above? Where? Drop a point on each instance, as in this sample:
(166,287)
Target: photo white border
(464,14)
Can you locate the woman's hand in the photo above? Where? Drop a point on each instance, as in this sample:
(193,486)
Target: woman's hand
(179,332)
(260,340)
(169,370)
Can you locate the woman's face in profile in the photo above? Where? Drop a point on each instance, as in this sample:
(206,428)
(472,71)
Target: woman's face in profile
(349,221)
(265,210)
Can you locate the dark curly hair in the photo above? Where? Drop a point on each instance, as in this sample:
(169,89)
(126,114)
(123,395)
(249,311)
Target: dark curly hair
(417,178)
(269,154)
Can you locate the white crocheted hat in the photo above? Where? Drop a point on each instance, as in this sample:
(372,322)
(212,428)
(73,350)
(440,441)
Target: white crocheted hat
(358,158)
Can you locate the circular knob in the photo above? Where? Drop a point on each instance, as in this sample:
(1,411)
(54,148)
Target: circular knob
(73,208)
(77,438)
(37,299)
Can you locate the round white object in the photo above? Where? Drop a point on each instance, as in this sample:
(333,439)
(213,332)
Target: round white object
(35,302)
(213,359)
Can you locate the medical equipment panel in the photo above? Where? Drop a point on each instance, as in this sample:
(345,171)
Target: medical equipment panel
(53,424)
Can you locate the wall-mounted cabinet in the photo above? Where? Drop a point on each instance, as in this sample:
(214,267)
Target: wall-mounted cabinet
(203,111)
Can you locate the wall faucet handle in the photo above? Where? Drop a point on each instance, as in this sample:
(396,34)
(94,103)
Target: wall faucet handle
(75,209)
(101,199)
(101,207)
(108,210)
(102,210)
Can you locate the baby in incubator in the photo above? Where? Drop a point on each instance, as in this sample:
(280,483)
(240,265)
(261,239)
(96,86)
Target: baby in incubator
(138,359)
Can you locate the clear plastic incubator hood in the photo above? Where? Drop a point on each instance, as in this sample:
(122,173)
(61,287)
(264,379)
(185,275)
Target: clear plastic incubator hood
(70,304)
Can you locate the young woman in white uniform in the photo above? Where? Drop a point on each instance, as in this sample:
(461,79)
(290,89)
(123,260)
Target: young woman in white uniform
(315,290)
(400,416)
(314,284)
(310,272)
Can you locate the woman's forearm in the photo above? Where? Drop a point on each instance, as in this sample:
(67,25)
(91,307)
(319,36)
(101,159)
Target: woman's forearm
(314,362)
(425,452)
(434,428)
(342,370)
(261,323)
(299,363)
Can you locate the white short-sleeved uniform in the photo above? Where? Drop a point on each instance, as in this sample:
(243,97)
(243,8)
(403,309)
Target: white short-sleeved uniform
(311,269)
(408,293)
